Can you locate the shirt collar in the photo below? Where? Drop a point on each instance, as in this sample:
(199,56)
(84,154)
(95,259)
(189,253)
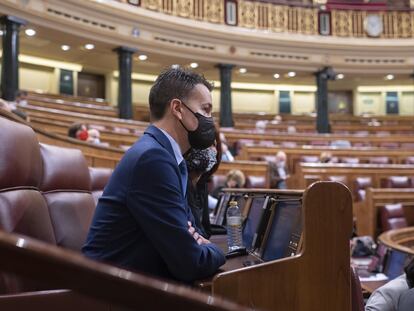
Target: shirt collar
(176,148)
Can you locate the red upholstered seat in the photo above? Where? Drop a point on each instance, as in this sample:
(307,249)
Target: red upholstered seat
(379,160)
(396,182)
(66,186)
(392,217)
(341,179)
(99,178)
(309,159)
(44,194)
(349,160)
(409,160)
(255,182)
(360,186)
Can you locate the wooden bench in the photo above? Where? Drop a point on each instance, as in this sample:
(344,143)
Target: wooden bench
(76,107)
(294,154)
(378,140)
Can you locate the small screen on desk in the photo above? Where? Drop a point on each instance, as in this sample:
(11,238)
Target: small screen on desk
(286,224)
(394,266)
(252,221)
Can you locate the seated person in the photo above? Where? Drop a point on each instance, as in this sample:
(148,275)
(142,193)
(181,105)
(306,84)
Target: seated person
(94,136)
(21,98)
(78,131)
(325,157)
(201,164)
(234,179)
(386,297)
(142,221)
(406,301)
(226,155)
(279,171)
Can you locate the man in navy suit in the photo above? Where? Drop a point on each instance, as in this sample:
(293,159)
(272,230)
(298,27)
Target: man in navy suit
(142,221)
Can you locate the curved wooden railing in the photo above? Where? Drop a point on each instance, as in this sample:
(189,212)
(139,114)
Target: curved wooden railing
(399,239)
(276,17)
(62,268)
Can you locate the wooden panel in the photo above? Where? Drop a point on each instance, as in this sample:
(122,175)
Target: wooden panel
(311,280)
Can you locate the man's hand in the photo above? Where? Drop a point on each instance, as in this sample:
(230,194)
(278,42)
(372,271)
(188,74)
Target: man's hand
(199,239)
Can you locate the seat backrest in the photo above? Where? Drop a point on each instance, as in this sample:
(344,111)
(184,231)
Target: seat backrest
(255,182)
(349,160)
(392,217)
(309,159)
(23,209)
(66,186)
(99,178)
(396,182)
(379,160)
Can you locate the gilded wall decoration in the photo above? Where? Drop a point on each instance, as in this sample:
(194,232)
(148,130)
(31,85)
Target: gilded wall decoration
(247,14)
(214,11)
(184,8)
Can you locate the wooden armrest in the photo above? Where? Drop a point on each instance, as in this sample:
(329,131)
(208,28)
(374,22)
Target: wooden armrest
(63,268)
(61,299)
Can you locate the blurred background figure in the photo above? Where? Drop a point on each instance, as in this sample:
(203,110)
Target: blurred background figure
(261,126)
(279,171)
(78,131)
(11,107)
(94,136)
(234,179)
(226,155)
(326,157)
(21,98)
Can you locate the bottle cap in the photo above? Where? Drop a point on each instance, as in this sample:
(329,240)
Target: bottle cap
(233,203)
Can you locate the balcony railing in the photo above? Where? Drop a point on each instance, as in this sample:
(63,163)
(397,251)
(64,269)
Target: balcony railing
(289,19)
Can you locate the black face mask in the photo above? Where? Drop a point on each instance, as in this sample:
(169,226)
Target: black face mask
(205,133)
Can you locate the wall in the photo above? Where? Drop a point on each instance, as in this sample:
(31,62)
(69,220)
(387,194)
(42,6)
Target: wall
(372,99)
(34,77)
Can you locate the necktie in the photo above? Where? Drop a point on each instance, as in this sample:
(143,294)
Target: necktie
(184,175)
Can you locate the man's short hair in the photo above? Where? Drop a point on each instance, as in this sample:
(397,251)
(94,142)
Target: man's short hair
(409,273)
(173,83)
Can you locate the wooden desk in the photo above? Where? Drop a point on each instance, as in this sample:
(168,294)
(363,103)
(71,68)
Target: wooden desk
(371,286)
(309,280)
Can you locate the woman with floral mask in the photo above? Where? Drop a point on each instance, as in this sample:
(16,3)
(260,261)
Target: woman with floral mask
(201,164)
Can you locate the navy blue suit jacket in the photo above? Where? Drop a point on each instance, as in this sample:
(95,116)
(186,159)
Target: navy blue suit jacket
(140,222)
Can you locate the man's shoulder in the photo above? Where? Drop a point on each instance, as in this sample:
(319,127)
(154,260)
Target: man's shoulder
(147,148)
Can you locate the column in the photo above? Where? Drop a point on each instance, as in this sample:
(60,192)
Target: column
(322,115)
(10,59)
(226,114)
(125,81)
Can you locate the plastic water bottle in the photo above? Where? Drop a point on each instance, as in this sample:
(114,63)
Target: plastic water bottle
(234,227)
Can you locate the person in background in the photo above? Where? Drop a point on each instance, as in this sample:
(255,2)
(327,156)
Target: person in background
(279,171)
(21,98)
(386,298)
(201,164)
(78,131)
(94,136)
(325,157)
(234,179)
(226,156)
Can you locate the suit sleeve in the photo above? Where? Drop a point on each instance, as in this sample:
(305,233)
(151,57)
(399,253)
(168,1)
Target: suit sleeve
(157,203)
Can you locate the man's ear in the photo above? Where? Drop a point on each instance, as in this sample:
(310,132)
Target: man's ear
(176,108)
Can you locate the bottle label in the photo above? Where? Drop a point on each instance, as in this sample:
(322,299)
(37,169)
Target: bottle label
(234,221)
